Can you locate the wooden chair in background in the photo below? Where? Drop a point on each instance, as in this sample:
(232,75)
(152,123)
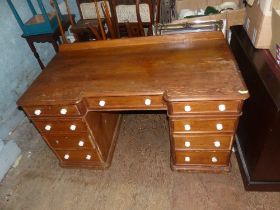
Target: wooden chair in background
(130,22)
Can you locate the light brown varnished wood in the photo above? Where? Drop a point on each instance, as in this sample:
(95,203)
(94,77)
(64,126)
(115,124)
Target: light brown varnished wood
(182,67)
(154,73)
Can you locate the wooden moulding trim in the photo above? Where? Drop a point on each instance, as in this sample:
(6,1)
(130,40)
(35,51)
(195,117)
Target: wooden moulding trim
(136,41)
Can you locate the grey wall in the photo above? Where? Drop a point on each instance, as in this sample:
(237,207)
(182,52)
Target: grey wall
(18,66)
(18,69)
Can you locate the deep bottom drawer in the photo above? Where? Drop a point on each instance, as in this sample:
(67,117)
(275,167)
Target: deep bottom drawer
(78,155)
(202,158)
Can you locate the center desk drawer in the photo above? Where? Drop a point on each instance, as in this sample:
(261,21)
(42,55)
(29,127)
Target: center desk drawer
(205,107)
(54,110)
(47,125)
(195,142)
(202,158)
(126,102)
(70,141)
(203,125)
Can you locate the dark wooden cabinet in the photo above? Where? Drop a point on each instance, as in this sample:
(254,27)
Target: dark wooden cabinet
(258,133)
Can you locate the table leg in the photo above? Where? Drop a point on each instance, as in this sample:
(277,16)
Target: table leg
(55,45)
(33,49)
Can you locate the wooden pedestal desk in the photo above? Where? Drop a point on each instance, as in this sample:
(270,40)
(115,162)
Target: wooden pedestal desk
(76,103)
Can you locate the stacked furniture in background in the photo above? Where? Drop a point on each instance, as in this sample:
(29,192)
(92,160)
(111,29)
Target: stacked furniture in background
(42,27)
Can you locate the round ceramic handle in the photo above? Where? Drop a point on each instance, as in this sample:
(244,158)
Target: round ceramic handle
(187,127)
(48,127)
(88,157)
(102,103)
(73,127)
(188,108)
(187,159)
(148,102)
(217,143)
(81,143)
(214,160)
(63,111)
(37,112)
(219,126)
(222,107)
(66,156)
(187,144)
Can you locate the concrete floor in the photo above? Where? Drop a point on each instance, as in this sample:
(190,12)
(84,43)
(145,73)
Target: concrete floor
(139,178)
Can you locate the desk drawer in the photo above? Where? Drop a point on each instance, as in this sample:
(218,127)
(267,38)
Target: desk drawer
(44,111)
(50,125)
(195,142)
(78,155)
(205,107)
(126,103)
(70,141)
(203,125)
(202,158)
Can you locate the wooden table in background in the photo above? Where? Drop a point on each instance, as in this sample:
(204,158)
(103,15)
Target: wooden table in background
(76,103)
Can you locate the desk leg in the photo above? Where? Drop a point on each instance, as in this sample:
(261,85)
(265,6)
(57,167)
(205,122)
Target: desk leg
(33,49)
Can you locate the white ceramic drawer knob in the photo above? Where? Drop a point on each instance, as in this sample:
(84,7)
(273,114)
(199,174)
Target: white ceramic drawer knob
(214,160)
(188,108)
(187,144)
(63,111)
(48,127)
(217,143)
(102,103)
(187,127)
(81,143)
(66,156)
(37,112)
(148,102)
(187,159)
(219,126)
(222,107)
(73,127)
(88,157)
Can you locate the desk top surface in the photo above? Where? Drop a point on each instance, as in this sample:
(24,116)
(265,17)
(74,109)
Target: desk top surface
(194,66)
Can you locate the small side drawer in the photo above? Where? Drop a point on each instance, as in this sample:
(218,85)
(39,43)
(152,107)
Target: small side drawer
(45,111)
(196,142)
(78,155)
(126,103)
(203,125)
(70,141)
(50,125)
(205,107)
(202,158)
